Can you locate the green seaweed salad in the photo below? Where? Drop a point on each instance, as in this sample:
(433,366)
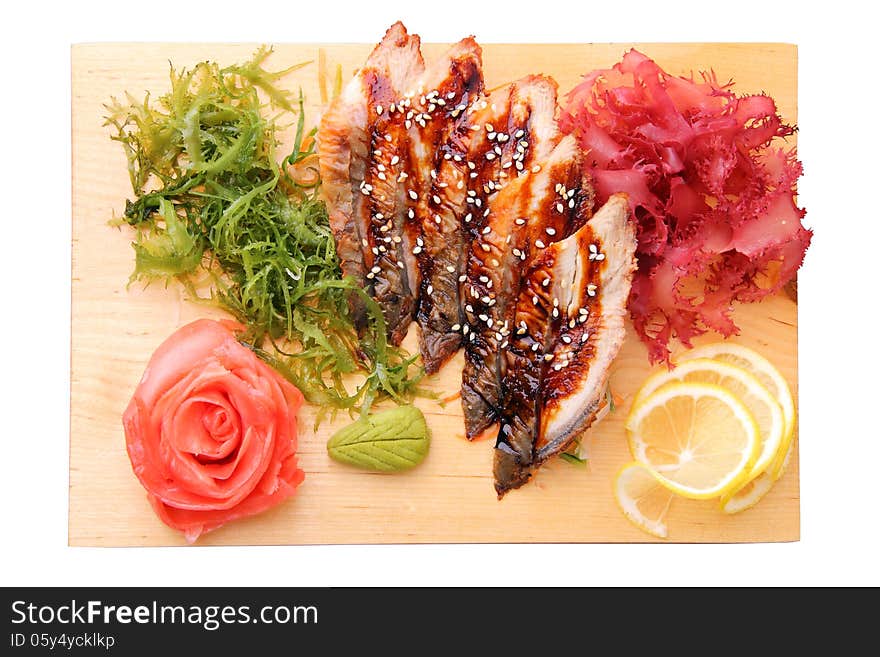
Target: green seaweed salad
(215,209)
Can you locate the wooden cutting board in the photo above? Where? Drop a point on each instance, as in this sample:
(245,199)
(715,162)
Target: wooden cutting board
(447,499)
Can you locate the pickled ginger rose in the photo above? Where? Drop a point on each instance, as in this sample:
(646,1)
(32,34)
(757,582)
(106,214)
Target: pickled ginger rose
(211,430)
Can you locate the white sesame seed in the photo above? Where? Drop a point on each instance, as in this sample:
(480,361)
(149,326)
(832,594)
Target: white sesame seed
(378,109)
(536,168)
(473,335)
(548,357)
(403,176)
(408,124)
(560,207)
(376,269)
(520,222)
(485,247)
(462,278)
(545,282)
(490,156)
(519,134)
(494,262)
(487,230)
(489,127)
(375,251)
(550,231)
(471,165)
(591,290)
(437,219)
(417,250)
(469,308)
(400,264)
(535,299)
(540,244)
(388,138)
(395,160)
(413,195)
(365,243)
(585,337)
(371,275)
(450,269)
(482,318)
(456,327)
(487,299)
(555,302)
(429,290)
(465,329)
(535,347)
(556,312)
(473,174)
(566,339)
(381,176)
(468,217)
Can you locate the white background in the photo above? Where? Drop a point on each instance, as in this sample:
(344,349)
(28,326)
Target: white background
(839,433)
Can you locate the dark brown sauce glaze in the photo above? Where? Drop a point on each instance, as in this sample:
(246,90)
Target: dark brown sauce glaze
(383,249)
(439,214)
(540,320)
(502,157)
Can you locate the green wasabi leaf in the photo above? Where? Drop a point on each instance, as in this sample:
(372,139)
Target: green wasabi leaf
(389,441)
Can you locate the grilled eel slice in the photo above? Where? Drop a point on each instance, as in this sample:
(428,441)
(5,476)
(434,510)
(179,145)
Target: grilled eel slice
(570,313)
(513,130)
(377,155)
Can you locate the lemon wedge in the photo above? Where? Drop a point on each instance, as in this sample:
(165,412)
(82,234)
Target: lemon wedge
(762,405)
(699,440)
(643,499)
(770,377)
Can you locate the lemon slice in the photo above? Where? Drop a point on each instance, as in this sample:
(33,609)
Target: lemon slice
(698,438)
(747,496)
(752,492)
(643,499)
(763,370)
(762,405)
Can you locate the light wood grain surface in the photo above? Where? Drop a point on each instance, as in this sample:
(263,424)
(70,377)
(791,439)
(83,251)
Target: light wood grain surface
(449,498)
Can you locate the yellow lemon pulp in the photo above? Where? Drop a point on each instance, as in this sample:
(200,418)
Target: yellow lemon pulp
(698,438)
(762,405)
(765,372)
(643,499)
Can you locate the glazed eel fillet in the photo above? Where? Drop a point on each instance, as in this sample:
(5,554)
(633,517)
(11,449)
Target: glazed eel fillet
(570,317)
(378,153)
(513,130)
